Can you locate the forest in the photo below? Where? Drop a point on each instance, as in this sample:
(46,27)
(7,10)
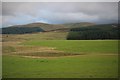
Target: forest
(21,30)
(94,32)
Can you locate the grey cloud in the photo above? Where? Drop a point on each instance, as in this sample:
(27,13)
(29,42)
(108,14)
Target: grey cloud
(63,12)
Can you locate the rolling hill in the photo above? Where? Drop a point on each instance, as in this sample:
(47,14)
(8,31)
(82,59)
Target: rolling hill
(42,27)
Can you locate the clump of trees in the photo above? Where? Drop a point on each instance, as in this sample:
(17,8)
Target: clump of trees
(21,30)
(93,33)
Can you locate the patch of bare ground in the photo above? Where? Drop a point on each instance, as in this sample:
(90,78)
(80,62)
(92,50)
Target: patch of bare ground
(34,49)
(43,53)
(62,56)
(12,48)
(10,43)
(51,57)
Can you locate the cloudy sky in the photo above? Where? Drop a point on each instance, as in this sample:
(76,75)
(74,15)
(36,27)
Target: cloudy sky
(15,13)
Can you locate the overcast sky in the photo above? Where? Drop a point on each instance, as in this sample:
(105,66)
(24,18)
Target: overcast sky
(15,13)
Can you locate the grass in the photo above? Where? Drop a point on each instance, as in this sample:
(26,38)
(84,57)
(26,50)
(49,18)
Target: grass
(79,46)
(74,67)
(86,66)
(8,49)
(80,66)
(36,36)
(97,61)
(45,36)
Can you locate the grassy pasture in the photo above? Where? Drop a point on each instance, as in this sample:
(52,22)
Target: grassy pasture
(99,60)
(85,66)
(79,46)
(35,36)
(50,55)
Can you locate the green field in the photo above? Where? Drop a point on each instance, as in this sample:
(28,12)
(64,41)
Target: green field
(79,46)
(67,67)
(97,59)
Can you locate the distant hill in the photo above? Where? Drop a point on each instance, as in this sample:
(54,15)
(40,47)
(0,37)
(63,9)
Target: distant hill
(42,27)
(45,27)
(82,24)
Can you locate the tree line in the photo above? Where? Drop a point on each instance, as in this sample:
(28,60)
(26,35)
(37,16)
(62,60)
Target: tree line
(21,30)
(93,33)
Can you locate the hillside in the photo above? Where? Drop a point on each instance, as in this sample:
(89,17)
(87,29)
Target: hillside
(45,27)
(21,30)
(82,24)
(42,27)
(103,31)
